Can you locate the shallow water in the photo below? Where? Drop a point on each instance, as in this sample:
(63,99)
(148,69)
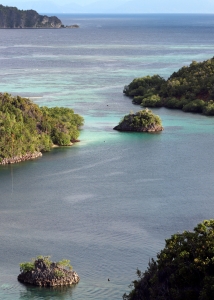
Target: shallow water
(108,202)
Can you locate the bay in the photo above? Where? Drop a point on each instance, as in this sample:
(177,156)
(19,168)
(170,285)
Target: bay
(109,202)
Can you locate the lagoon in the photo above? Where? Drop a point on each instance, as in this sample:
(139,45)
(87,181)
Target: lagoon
(109,202)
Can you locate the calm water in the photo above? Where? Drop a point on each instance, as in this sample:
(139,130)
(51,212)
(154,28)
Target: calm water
(108,202)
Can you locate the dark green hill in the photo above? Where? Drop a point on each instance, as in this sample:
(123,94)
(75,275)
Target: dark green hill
(190,89)
(26,128)
(183,270)
(11,17)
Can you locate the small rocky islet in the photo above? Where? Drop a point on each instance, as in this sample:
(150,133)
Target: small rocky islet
(142,121)
(43,272)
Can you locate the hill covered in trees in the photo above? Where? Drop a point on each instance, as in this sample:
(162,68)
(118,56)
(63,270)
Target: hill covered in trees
(190,89)
(12,17)
(142,121)
(27,128)
(184,269)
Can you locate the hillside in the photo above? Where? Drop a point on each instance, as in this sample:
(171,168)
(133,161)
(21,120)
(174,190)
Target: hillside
(191,89)
(26,128)
(183,270)
(11,17)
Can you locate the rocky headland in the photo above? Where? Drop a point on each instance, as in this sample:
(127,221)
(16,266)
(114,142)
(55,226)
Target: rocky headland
(43,272)
(142,121)
(12,17)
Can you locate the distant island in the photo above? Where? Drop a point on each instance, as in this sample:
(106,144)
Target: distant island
(142,121)
(190,89)
(12,17)
(27,130)
(43,272)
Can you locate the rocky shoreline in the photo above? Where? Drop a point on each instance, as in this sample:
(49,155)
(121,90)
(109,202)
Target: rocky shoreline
(20,158)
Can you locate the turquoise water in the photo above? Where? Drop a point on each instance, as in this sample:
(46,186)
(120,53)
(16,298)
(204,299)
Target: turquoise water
(108,202)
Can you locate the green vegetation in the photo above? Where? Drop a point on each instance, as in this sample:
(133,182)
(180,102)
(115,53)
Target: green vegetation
(190,89)
(59,273)
(65,263)
(184,269)
(30,266)
(143,120)
(26,266)
(26,128)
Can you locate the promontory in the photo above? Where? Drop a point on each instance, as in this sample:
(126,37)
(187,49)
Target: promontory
(142,121)
(12,17)
(190,89)
(26,129)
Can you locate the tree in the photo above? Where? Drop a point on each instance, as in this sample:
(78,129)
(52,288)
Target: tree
(184,269)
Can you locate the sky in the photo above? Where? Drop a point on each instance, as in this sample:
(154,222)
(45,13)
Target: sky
(114,6)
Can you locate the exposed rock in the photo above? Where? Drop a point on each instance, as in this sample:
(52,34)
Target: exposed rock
(142,121)
(45,274)
(72,26)
(11,17)
(17,159)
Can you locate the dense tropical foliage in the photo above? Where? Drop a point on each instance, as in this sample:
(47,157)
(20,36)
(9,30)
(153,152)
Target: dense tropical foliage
(184,269)
(190,89)
(25,127)
(142,121)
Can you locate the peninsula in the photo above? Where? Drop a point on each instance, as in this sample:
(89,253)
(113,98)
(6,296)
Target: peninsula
(43,272)
(26,129)
(12,17)
(142,121)
(190,89)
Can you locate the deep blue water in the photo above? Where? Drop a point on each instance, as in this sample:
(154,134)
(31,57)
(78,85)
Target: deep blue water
(109,202)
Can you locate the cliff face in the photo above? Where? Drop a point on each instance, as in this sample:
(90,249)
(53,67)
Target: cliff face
(11,17)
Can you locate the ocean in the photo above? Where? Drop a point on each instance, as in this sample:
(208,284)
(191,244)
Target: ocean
(109,202)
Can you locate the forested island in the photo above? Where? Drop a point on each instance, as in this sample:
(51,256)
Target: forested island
(26,129)
(183,270)
(190,89)
(12,17)
(142,121)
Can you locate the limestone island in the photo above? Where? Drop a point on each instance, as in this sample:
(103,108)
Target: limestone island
(43,272)
(12,17)
(190,89)
(142,121)
(27,130)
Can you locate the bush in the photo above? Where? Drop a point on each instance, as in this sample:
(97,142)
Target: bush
(137,99)
(65,263)
(59,273)
(152,101)
(209,108)
(175,103)
(194,106)
(27,266)
(184,269)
